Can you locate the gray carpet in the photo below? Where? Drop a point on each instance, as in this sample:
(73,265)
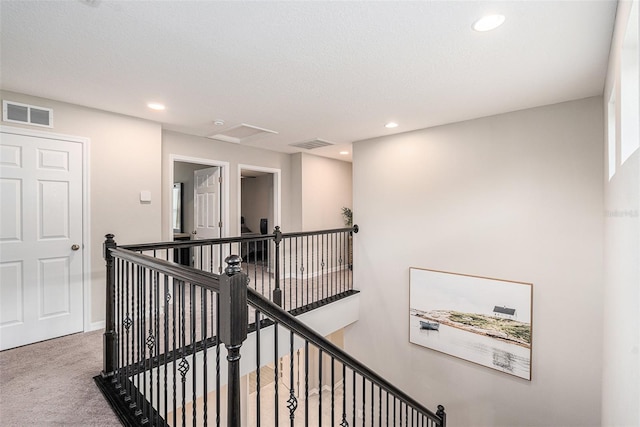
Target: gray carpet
(51,384)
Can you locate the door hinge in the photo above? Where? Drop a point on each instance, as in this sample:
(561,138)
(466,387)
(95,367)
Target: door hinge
(220,179)
(220,224)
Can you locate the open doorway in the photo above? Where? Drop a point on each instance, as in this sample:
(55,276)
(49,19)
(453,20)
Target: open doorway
(259,200)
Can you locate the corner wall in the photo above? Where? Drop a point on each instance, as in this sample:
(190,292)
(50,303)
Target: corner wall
(326,187)
(621,357)
(517,196)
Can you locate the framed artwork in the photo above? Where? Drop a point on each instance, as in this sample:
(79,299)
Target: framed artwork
(482,320)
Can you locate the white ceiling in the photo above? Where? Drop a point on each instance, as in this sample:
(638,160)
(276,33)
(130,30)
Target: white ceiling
(337,70)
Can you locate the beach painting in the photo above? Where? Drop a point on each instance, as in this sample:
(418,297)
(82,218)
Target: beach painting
(482,320)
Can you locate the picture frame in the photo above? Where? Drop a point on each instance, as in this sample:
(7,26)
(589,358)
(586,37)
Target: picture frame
(482,320)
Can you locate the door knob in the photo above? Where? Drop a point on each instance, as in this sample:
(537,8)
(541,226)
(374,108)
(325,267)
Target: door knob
(75,247)
(194,232)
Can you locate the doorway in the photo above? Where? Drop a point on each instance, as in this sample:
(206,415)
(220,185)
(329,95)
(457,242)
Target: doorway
(181,221)
(259,199)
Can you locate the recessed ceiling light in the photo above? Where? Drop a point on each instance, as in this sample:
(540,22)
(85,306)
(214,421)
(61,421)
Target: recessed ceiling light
(218,122)
(488,23)
(391,125)
(156,106)
(344,153)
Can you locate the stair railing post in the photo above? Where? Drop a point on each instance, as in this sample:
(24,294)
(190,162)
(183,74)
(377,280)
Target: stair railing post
(110,337)
(277,292)
(234,319)
(443,415)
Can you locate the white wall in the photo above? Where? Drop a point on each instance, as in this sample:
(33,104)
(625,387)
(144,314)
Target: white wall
(517,196)
(124,159)
(621,358)
(326,188)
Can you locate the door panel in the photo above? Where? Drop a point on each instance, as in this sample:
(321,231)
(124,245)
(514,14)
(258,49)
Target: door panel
(11,210)
(41,198)
(207,217)
(11,289)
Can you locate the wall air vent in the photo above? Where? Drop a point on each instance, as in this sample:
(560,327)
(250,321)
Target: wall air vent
(314,143)
(16,112)
(242,133)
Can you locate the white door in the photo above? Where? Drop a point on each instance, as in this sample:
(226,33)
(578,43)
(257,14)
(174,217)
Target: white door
(40,239)
(207,217)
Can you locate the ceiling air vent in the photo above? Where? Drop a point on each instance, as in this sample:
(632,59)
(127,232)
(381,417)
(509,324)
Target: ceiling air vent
(310,145)
(242,133)
(27,114)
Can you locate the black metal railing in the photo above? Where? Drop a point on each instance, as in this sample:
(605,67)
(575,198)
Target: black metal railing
(164,365)
(294,270)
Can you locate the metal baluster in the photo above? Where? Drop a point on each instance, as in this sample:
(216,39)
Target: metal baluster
(194,390)
(139,336)
(354,398)
(319,386)
(292,402)
(143,336)
(394,410)
(333,392)
(268,295)
(218,407)
(308,268)
(276,359)
(364,399)
(297,300)
(379,406)
(306,383)
(174,354)
(167,299)
(205,373)
(257,368)
(387,407)
(372,404)
(344,422)
(156,357)
(332,269)
(128,322)
(183,366)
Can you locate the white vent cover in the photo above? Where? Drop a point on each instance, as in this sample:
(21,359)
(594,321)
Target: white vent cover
(16,112)
(314,143)
(242,133)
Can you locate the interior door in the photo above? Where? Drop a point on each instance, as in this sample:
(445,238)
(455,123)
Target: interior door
(207,201)
(41,289)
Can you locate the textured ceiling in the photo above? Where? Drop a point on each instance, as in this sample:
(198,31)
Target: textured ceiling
(336,71)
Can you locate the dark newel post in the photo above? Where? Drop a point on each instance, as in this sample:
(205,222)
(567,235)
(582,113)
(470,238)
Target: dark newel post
(110,336)
(277,292)
(443,416)
(234,318)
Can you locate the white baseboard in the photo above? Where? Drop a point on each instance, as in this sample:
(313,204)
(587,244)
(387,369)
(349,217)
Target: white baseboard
(95,326)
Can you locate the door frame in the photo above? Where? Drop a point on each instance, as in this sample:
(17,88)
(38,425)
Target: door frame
(276,192)
(86,220)
(224,173)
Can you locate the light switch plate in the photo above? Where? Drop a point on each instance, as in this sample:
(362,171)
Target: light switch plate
(145,196)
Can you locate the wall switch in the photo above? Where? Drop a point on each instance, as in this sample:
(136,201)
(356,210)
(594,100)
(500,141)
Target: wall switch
(145,196)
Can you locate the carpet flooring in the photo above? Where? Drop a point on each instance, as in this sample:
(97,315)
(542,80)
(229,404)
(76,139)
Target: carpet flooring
(50,383)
